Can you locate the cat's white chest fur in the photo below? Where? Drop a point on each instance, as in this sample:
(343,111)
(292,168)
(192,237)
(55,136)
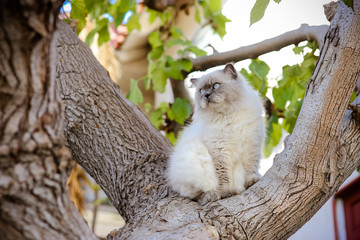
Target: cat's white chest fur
(219,152)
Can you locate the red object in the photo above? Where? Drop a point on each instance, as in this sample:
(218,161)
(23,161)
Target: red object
(350,196)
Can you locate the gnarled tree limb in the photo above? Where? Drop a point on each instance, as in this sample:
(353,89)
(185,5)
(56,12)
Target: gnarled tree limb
(318,156)
(108,135)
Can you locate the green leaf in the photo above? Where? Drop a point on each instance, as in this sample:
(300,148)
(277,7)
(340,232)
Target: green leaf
(259,68)
(281,96)
(298,49)
(219,23)
(180,110)
(258,11)
(176,67)
(135,95)
(90,4)
(197,15)
(152,15)
(245,73)
(164,107)
(197,51)
(165,16)
(158,77)
(257,78)
(353,97)
(119,9)
(134,22)
(156,118)
(156,53)
(309,62)
(171,137)
(79,12)
(178,41)
(176,32)
(148,107)
(349,3)
(147,82)
(214,5)
(185,64)
(274,137)
(103,32)
(155,39)
(277,1)
(90,37)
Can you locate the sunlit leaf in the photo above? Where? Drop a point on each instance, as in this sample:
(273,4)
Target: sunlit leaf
(156,52)
(176,32)
(90,37)
(219,23)
(164,107)
(260,68)
(158,77)
(135,95)
(171,137)
(258,11)
(197,16)
(156,118)
(197,51)
(134,22)
(155,39)
(152,15)
(103,32)
(214,5)
(176,67)
(274,137)
(79,12)
(180,110)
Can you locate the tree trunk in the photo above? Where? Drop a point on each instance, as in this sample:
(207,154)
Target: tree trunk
(34,162)
(116,144)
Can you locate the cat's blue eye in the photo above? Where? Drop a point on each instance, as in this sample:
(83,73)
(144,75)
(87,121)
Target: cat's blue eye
(202,91)
(216,85)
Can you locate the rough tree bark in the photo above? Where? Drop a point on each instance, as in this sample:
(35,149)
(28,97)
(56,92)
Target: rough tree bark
(34,162)
(127,156)
(108,135)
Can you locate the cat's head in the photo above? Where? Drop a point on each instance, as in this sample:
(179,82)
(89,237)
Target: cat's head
(218,90)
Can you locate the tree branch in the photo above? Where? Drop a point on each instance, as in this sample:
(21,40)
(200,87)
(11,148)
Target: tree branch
(305,32)
(108,135)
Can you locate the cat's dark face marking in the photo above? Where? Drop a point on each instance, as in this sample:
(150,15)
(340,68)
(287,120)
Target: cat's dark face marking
(209,90)
(217,89)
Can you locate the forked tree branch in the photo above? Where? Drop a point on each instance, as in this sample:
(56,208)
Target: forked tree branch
(117,145)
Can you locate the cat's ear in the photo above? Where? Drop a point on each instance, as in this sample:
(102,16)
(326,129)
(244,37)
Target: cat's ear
(193,81)
(230,69)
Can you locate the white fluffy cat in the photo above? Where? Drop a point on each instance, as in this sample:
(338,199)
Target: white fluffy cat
(218,154)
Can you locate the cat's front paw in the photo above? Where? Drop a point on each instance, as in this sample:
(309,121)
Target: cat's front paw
(225,193)
(251,180)
(209,196)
